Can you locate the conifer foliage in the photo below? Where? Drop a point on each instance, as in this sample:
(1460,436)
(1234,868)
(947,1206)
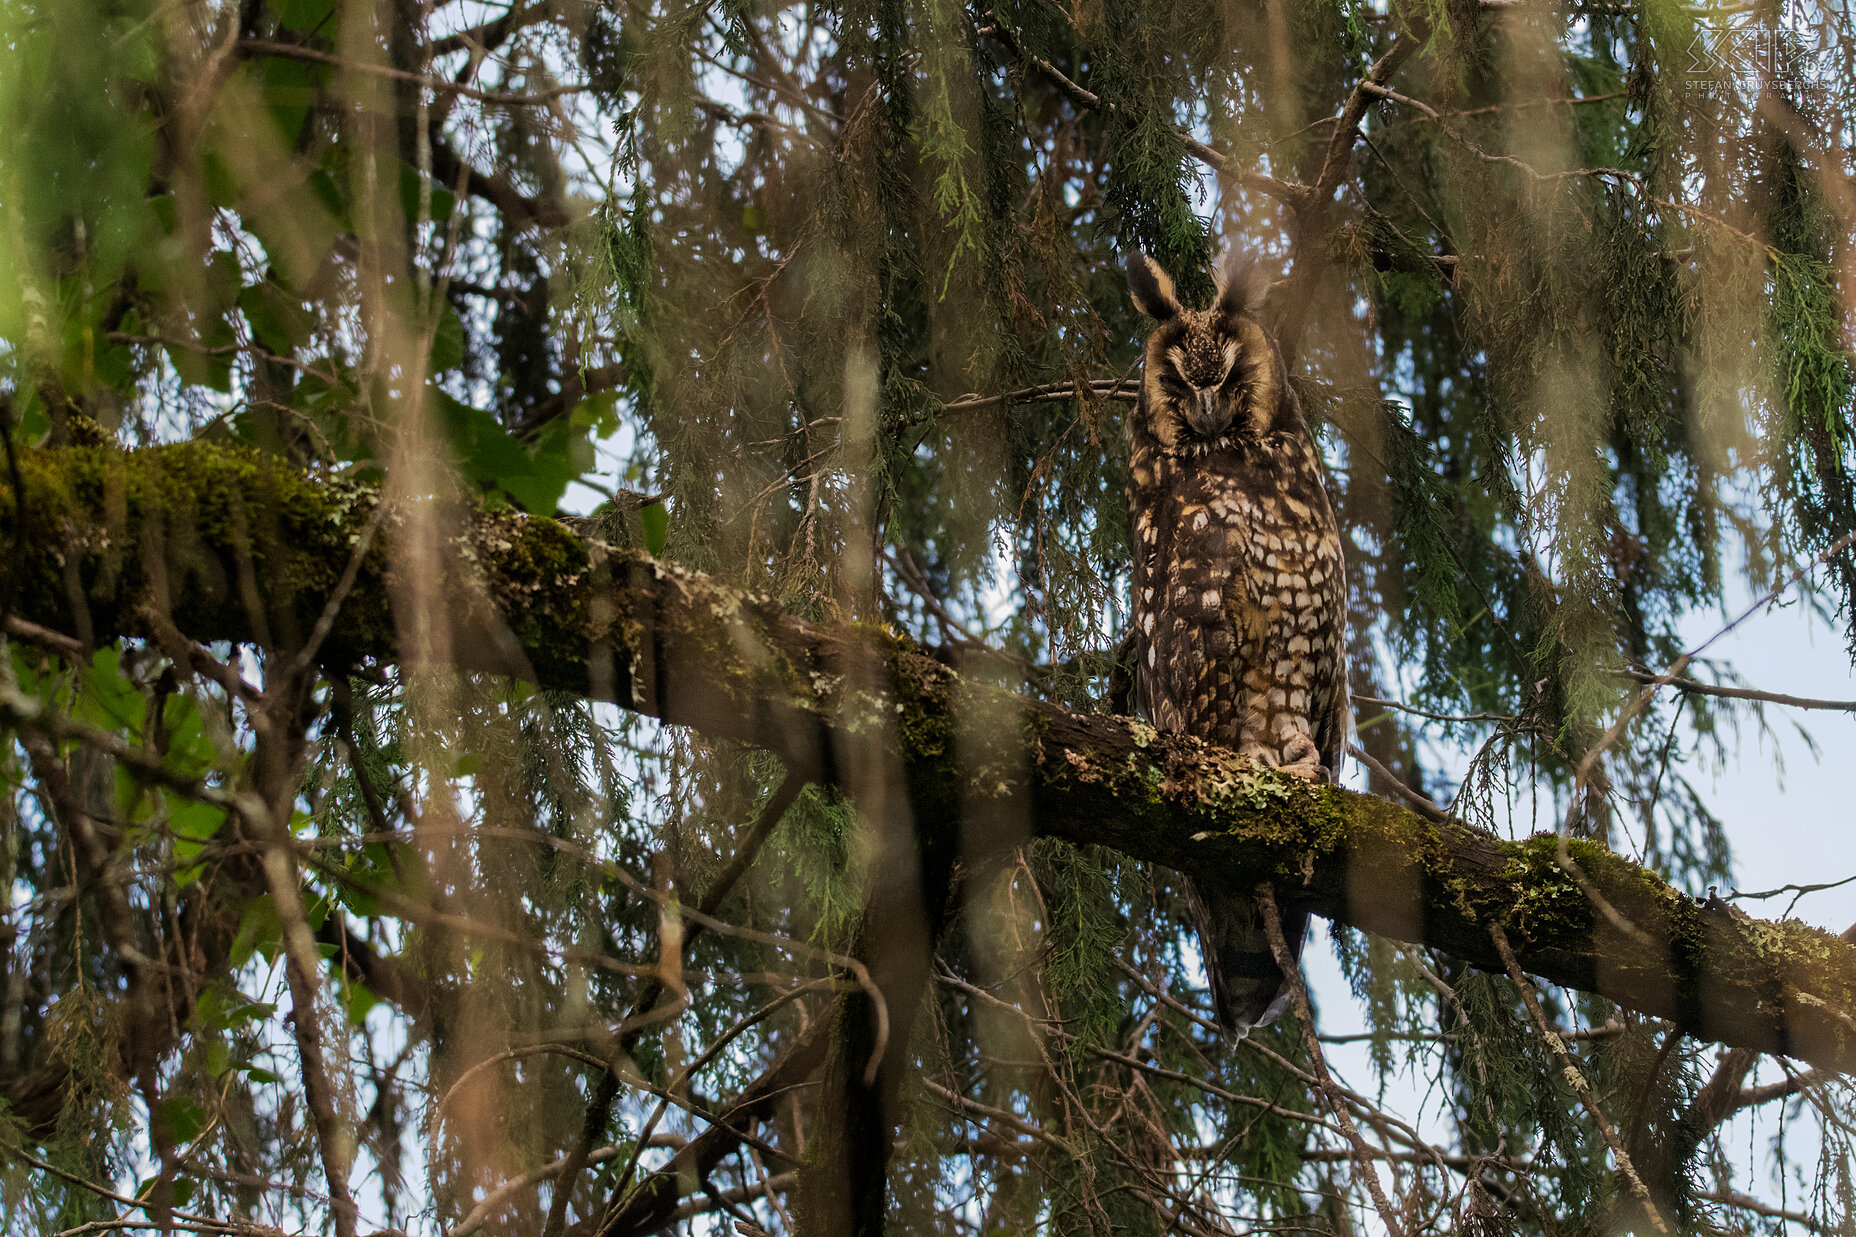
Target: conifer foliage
(825,301)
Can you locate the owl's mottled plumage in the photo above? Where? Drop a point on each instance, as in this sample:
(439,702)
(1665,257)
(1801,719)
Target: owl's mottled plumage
(1239,591)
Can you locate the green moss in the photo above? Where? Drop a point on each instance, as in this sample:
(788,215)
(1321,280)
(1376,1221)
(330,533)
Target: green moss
(196,525)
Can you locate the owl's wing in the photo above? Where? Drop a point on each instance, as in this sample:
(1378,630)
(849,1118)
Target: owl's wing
(1148,592)
(1143,682)
(1331,701)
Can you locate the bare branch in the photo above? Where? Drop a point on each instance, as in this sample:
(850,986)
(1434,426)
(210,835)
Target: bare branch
(1698,688)
(437,85)
(1423,803)
(1575,1078)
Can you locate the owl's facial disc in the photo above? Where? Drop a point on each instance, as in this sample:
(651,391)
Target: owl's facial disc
(1199,380)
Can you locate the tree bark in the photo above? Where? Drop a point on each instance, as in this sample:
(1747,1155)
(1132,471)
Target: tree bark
(108,541)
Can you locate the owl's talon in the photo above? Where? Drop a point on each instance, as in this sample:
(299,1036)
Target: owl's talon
(1302,759)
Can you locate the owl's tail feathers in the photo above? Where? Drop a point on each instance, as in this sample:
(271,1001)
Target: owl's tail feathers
(1248,988)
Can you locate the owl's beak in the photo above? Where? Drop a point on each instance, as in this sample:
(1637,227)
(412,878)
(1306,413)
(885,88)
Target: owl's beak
(1207,419)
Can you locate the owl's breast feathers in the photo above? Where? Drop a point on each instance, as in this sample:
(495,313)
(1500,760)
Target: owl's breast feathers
(1240,598)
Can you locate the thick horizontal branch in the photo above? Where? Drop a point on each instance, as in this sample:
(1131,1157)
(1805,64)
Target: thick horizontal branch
(109,540)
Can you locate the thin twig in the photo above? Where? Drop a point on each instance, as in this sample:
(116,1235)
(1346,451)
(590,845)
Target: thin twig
(1089,101)
(1746,1202)
(1695,687)
(1792,1084)
(303,973)
(1591,758)
(494,1200)
(1569,1069)
(184,1220)
(1050,392)
(68,647)
(1347,126)
(27,714)
(331,610)
(1630,178)
(437,85)
(599,1108)
(1427,807)
(1415,711)
(1681,663)
(1330,1092)
(707,1055)
(1214,1090)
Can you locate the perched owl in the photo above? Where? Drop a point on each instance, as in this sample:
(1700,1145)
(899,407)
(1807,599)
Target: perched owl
(1239,592)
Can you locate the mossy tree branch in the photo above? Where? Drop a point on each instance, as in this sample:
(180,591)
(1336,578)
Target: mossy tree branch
(226,544)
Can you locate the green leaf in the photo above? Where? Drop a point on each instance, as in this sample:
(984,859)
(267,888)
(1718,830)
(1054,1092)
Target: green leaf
(191,751)
(185,1116)
(357,1000)
(448,342)
(259,931)
(208,364)
(534,476)
(34,424)
(278,320)
(597,414)
(290,88)
(194,824)
(443,200)
(221,187)
(114,366)
(251,1011)
(220,1009)
(133,800)
(209,1012)
(108,699)
(299,229)
(163,207)
(195,821)
(316,16)
(225,275)
(656,521)
(328,194)
(358,900)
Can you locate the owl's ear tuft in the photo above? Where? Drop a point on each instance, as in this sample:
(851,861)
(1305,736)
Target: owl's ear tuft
(1151,288)
(1242,283)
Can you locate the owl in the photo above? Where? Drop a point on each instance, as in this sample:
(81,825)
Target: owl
(1239,586)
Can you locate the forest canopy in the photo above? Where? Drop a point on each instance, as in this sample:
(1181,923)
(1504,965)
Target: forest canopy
(564,567)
